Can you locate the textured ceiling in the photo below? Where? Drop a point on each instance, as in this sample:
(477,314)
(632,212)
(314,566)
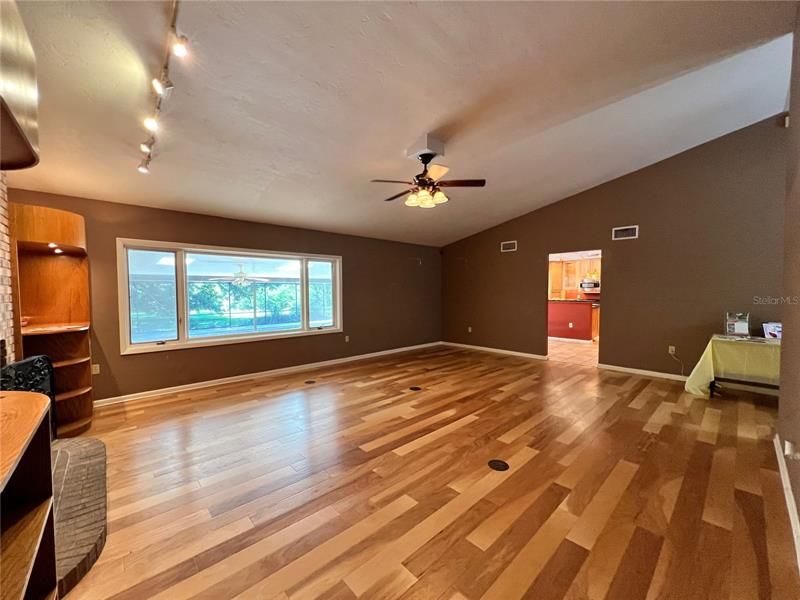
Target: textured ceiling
(284,111)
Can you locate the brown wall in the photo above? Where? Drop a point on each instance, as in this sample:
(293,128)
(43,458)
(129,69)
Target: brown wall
(711,238)
(391,294)
(789,418)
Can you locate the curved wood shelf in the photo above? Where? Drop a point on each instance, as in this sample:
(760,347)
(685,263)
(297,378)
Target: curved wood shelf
(22,534)
(42,248)
(73,393)
(20,415)
(52,290)
(54,328)
(27,552)
(42,225)
(72,361)
(74,428)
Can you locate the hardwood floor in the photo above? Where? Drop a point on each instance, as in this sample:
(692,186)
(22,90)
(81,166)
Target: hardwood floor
(577,353)
(352,486)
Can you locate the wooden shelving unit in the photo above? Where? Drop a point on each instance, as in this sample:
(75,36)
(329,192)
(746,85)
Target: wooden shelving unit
(51,297)
(27,540)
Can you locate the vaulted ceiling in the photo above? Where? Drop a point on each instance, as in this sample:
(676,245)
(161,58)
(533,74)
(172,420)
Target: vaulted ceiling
(283,112)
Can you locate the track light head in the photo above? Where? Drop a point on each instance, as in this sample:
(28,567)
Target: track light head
(151,123)
(180,45)
(144,166)
(162,85)
(147,147)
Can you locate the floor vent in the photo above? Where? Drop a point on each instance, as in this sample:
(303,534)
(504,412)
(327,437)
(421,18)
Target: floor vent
(415,388)
(498,465)
(310,381)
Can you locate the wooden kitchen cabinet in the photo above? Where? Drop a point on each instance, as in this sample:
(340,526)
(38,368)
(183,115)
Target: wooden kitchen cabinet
(556,275)
(595,322)
(570,275)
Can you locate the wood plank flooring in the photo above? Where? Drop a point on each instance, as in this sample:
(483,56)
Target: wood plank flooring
(355,486)
(577,353)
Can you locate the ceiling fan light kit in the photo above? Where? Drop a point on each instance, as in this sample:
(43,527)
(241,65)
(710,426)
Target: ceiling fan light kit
(424,191)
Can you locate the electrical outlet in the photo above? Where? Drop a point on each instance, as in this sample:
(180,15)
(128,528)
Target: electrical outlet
(790,450)
(469,329)
(571,325)
(346,339)
(95,369)
(671,350)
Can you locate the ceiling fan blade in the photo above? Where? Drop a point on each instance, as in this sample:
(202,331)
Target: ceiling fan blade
(391,181)
(436,172)
(462,183)
(398,195)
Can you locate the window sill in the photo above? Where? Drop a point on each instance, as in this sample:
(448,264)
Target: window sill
(221,341)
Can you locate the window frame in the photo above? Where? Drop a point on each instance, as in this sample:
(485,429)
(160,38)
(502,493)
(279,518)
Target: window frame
(184,341)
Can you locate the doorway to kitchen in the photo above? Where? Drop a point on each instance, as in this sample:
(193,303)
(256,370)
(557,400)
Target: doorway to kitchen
(573,307)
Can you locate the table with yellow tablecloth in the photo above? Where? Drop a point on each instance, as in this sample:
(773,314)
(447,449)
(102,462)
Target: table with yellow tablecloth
(745,360)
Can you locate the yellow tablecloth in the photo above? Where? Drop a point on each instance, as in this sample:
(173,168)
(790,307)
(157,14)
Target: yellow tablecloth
(741,359)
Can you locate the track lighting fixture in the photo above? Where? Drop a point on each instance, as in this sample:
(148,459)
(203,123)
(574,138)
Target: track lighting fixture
(147,147)
(180,46)
(162,85)
(151,123)
(58,251)
(144,166)
(52,245)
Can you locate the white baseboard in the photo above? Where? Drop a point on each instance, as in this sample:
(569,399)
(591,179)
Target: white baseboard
(495,350)
(643,372)
(573,340)
(788,494)
(270,372)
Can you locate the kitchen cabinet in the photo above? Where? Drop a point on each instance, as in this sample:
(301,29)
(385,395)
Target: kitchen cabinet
(595,322)
(570,275)
(565,278)
(555,279)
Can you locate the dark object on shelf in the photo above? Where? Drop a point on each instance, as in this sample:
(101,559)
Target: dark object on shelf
(33,374)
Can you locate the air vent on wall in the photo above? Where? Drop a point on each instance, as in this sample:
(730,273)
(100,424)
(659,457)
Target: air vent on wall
(510,246)
(629,232)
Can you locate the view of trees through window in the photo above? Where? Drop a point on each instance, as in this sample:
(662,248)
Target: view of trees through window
(226,295)
(152,291)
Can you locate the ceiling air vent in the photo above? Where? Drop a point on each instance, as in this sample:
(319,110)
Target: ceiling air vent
(510,246)
(629,232)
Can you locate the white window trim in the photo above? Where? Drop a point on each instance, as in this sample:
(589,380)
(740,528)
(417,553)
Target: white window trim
(183,341)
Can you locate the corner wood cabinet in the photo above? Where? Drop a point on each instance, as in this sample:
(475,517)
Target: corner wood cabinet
(27,535)
(50,269)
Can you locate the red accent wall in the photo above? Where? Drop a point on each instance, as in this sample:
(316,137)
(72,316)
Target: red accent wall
(560,314)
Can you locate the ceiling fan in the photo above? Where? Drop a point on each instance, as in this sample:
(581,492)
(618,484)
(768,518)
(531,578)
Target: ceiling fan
(240,277)
(425,189)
